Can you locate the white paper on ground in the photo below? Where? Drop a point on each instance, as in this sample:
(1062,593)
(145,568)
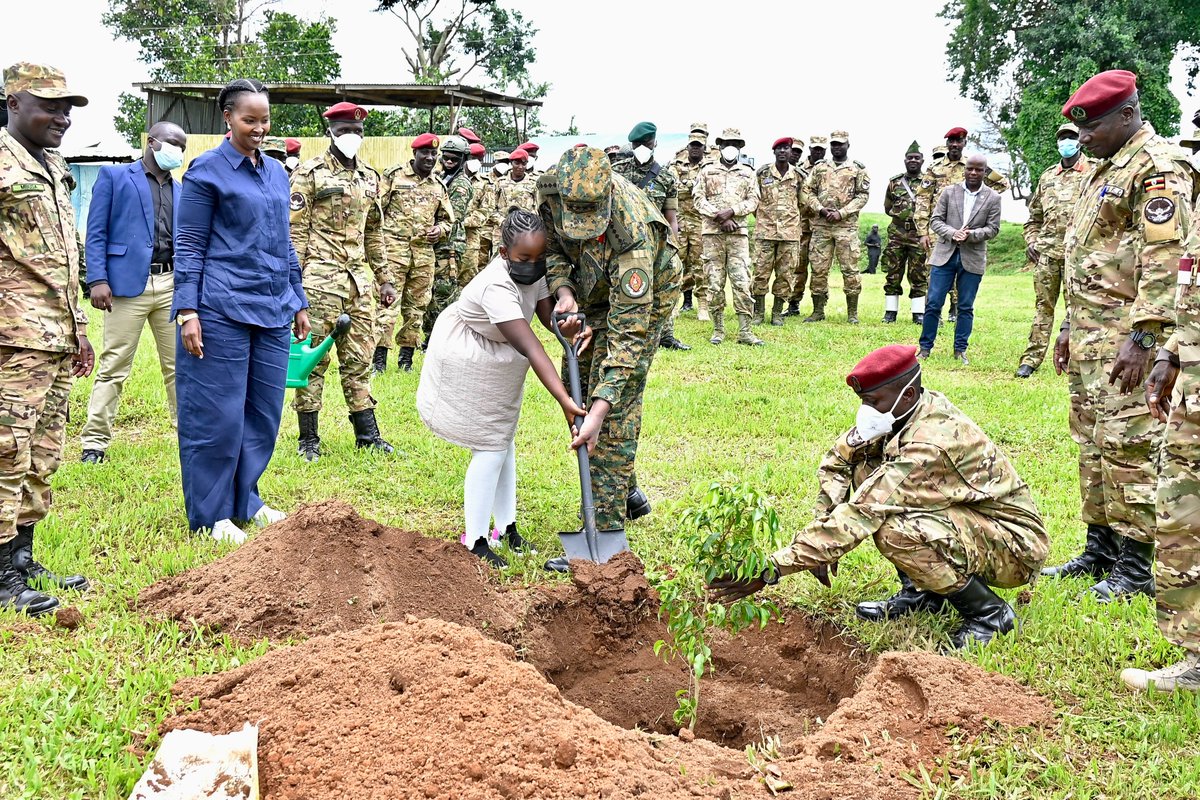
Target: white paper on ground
(193,765)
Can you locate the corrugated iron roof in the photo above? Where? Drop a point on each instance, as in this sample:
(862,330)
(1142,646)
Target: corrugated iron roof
(409,95)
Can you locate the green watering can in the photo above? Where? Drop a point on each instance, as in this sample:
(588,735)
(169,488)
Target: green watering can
(303,357)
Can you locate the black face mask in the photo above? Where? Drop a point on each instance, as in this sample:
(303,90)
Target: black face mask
(526,273)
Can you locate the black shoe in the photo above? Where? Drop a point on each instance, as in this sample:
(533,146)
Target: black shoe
(959,355)
(512,538)
(687,301)
(366,431)
(793,309)
(23,561)
(404,360)
(558,564)
(889,317)
(481,549)
(984,614)
(671,343)
(1023,371)
(379,360)
(93,457)
(922,354)
(953,313)
(1100,552)
(425,343)
(637,504)
(309,443)
(15,592)
(1132,573)
(908,600)
(918,319)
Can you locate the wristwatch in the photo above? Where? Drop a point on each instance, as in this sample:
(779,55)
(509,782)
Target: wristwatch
(1143,339)
(770,576)
(180,319)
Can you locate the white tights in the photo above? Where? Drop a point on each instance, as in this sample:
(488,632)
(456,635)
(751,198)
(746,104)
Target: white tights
(490,491)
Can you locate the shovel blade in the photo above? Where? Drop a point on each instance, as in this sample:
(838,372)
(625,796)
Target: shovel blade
(608,543)
(575,545)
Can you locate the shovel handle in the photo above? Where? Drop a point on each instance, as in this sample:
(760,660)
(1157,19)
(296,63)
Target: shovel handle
(557,318)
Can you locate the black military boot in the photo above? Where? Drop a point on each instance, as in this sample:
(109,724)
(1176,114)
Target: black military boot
(514,540)
(793,309)
(309,442)
(404,361)
(1099,554)
(889,317)
(15,592)
(984,614)
(687,301)
(636,504)
(366,431)
(908,600)
(818,313)
(1132,573)
(379,360)
(35,573)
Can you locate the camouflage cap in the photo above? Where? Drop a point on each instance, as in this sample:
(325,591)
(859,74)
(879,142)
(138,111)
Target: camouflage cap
(819,141)
(797,142)
(839,136)
(731,135)
(1066,127)
(500,157)
(699,127)
(585,188)
(40,80)
(1192,142)
(940,151)
(697,137)
(274,144)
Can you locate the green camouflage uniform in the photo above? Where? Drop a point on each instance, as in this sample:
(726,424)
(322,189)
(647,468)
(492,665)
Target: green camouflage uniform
(940,500)
(776,231)
(450,251)
(411,206)
(717,187)
(478,220)
(626,282)
(842,187)
(41,320)
(903,252)
(690,242)
(1049,210)
(1123,243)
(803,245)
(337,230)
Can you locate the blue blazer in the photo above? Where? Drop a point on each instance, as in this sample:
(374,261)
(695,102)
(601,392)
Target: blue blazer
(120,229)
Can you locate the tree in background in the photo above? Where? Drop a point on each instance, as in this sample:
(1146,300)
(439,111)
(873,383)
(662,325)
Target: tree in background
(1019,61)
(215,41)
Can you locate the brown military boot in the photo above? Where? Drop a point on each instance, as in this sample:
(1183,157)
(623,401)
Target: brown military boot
(760,309)
(818,312)
(777,312)
(745,335)
(852,309)
(702,307)
(1184,676)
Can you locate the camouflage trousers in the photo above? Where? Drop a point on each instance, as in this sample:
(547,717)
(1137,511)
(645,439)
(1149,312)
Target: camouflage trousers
(668,329)
(778,257)
(445,292)
(414,288)
(903,255)
(1047,284)
(727,257)
(354,348)
(1119,444)
(472,260)
(831,242)
(34,386)
(942,550)
(1177,576)
(691,252)
(802,261)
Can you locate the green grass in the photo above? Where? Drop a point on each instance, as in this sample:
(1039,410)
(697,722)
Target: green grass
(75,704)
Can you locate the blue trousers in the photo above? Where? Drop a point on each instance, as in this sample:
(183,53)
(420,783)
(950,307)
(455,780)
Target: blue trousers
(230,403)
(941,281)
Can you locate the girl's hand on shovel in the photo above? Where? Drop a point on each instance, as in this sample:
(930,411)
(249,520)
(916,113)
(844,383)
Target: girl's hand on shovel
(583,339)
(571,411)
(590,432)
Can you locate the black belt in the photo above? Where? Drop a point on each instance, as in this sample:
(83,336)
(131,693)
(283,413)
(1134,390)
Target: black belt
(162,269)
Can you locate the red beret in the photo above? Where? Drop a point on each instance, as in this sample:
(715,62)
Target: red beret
(426,140)
(582,144)
(1100,94)
(789,141)
(469,135)
(293,146)
(346,111)
(518,155)
(884,365)
(529,147)
(957,133)
(478,150)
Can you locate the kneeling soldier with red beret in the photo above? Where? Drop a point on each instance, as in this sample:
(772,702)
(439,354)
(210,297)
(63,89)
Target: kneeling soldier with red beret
(940,500)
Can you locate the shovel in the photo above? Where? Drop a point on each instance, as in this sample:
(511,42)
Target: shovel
(588,544)
(303,357)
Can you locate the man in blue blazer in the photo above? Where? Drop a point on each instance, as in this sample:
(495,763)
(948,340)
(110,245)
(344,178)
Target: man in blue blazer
(130,266)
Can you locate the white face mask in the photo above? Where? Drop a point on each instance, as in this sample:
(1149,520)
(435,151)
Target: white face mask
(348,144)
(643,154)
(473,166)
(168,156)
(730,153)
(871,423)
(291,162)
(502,168)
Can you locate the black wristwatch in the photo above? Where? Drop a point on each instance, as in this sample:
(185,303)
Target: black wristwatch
(1143,339)
(770,575)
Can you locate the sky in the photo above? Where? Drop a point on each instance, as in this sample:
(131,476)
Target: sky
(873,68)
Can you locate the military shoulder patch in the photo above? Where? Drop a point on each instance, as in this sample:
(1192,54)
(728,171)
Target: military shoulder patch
(635,283)
(1159,210)
(860,165)
(297,201)
(1155,183)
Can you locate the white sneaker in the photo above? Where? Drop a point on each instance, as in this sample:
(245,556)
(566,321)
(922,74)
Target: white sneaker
(223,530)
(268,516)
(1184,676)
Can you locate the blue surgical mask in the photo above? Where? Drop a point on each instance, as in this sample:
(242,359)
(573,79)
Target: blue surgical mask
(1068,147)
(168,156)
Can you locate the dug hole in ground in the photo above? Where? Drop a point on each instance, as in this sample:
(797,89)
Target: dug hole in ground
(423,678)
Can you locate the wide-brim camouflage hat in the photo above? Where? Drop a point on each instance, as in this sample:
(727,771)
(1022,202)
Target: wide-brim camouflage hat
(731,135)
(585,188)
(818,141)
(274,144)
(1194,141)
(40,80)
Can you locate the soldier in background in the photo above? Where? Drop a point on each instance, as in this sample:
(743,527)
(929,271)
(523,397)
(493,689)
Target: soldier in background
(292,147)
(776,232)
(699,129)
(904,251)
(450,251)
(1045,231)
(516,190)
(474,257)
(416,216)
(276,148)
(939,154)
(612,152)
(800,278)
(695,283)
(874,244)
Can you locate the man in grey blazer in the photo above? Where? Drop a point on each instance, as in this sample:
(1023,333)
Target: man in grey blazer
(967,215)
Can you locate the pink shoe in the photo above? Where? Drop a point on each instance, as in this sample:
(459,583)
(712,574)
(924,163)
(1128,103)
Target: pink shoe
(495,537)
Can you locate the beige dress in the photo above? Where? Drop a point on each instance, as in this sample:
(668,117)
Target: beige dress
(473,380)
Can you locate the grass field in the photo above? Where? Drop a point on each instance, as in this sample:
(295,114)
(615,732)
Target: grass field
(75,703)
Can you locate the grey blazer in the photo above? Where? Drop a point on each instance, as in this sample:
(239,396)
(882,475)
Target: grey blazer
(983,225)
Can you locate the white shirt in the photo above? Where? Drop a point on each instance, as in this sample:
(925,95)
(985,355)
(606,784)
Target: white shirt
(969,199)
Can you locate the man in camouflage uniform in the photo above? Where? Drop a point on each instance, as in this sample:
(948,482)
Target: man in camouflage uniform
(776,232)
(609,254)
(661,185)
(43,345)
(836,191)
(725,194)
(1123,243)
(901,484)
(451,250)
(689,237)
(903,251)
(478,216)
(337,232)
(699,129)
(800,280)
(1049,209)
(515,190)
(416,216)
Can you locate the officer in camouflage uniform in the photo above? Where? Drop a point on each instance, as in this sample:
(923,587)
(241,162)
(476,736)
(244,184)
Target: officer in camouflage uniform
(450,251)
(700,130)
(43,345)
(902,485)
(609,254)
(1123,244)
(903,251)
(337,232)
(515,190)
(474,258)
(836,191)
(776,232)
(801,165)
(1049,209)
(416,216)
(687,167)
